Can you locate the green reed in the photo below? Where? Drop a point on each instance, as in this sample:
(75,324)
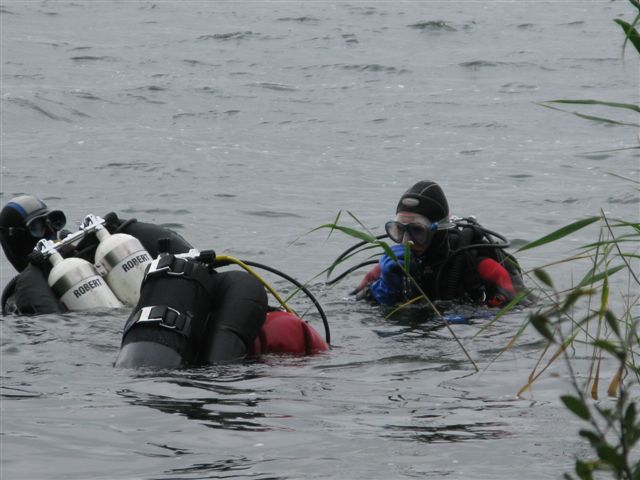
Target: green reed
(609,328)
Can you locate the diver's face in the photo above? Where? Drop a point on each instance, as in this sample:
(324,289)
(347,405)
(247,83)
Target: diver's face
(407,218)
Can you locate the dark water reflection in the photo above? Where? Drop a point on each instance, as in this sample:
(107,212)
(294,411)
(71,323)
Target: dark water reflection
(448,433)
(218,403)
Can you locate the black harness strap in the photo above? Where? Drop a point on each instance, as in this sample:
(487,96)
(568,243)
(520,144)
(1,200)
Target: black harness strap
(174,266)
(163,316)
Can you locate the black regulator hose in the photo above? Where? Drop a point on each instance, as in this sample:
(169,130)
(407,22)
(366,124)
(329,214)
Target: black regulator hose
(304,289)
(469,222)
(351,270)
(356,246)
(456,254)
(360,265)
(457,265)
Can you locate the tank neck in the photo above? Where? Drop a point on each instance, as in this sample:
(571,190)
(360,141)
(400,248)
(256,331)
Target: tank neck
(55,258)
(102,233)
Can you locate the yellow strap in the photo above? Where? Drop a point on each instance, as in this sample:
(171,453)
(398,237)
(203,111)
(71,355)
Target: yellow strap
(240,263)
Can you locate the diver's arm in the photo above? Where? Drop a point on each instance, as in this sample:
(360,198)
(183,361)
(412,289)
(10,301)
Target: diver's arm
(498,281)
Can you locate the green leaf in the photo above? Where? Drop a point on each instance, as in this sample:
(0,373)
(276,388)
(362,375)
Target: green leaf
(577,406)
(608,346)
(591,279)
(584,470)
(349,231)
(591,117)
(560,233)
(630,416)
(632,33)
(407,258)
(628,106)
(543,277)
(612,321)
(609,455)
(541,324)
(573,297)
(594,439)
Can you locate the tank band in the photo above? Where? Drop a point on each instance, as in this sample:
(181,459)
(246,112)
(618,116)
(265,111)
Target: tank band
(122,252)
(81,273)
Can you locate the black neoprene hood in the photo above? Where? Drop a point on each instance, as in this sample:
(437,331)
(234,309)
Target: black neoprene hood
(425,198)
(16,241)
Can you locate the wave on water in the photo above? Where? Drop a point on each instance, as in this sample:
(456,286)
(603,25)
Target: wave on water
(480,64)
(127,166)
(89,96)
(145,99)
(93,58)
(158,211)
(275,86)
(624,199)
(271,214)
(31,105)
(372,67)
(229,36)
(434,26)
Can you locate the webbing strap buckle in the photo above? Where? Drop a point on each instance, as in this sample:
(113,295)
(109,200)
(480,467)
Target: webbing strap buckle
(166,317)
(170,265)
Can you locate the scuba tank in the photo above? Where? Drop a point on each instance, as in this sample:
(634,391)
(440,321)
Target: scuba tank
(78,284)
(122,260)
(75,281)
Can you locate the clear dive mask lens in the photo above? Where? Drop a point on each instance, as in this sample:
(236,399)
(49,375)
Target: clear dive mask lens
(52,222)
(419,233)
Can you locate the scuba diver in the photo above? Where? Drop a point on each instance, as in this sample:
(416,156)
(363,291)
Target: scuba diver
(185,312)
(450,258)
(25,220)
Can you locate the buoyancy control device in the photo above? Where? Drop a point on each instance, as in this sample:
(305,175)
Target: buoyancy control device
(178,305)
(167,324)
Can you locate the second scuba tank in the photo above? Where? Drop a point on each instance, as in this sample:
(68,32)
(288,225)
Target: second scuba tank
(79,285)
(123,260)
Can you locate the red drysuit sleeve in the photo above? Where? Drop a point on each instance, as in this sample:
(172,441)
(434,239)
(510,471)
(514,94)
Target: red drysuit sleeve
(495,274)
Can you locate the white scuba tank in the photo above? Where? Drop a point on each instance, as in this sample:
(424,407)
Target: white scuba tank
(78,284)
(122,260)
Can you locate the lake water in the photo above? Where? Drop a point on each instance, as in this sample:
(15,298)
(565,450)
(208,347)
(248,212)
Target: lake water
(245,125)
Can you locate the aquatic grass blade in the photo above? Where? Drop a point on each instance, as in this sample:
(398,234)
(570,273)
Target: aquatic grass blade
(631,33)
(629,106)
(543,277)
(560,233)
(591,117)
(593,277)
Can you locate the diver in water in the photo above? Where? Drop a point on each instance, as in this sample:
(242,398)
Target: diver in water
(186,312)
(450,258)
(25,220)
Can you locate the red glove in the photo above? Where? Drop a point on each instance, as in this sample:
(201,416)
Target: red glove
(496,275)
